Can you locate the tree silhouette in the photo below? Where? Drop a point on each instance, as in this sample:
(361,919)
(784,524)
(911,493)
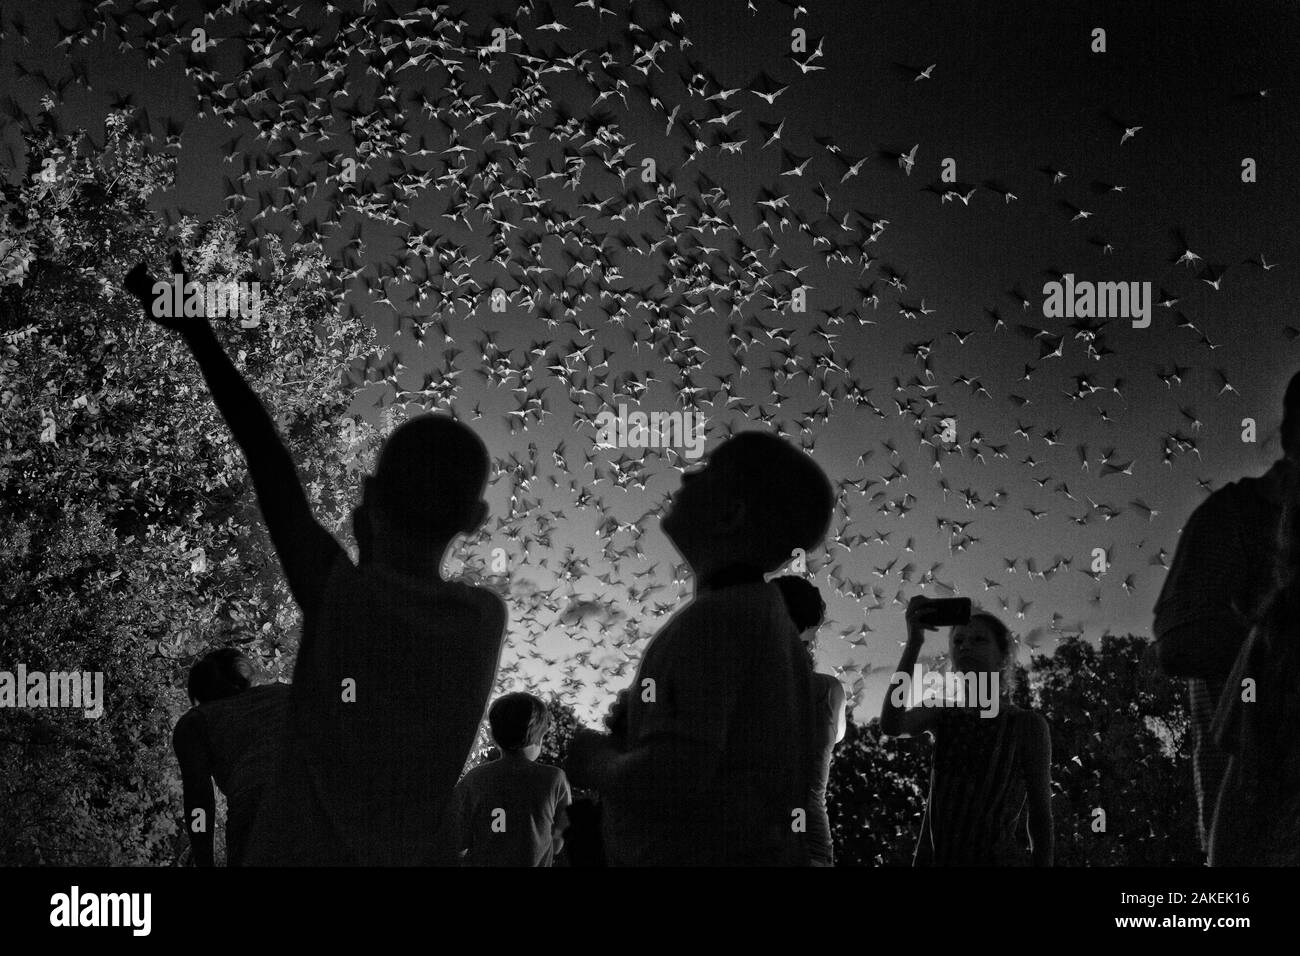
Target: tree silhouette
(876,797)
(1121,744)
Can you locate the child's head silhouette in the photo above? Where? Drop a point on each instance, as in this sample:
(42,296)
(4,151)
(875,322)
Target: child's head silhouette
(805,604)
(518,723)
(218,674)
(756,499)
(427,488)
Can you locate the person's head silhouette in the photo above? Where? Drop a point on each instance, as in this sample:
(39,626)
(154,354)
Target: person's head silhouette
(806,606)
(981,646)
(219,674)
(427,488)
(755,500)
(519,723)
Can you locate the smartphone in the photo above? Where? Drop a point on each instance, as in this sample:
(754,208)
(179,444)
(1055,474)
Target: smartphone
(950,611)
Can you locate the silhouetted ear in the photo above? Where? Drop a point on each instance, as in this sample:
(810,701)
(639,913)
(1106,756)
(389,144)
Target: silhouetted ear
(730,515)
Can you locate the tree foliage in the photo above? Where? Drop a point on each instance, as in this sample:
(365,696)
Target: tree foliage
(129,537)
(1120,743)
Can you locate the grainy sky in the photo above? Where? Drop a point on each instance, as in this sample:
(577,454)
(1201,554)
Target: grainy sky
(1016,94)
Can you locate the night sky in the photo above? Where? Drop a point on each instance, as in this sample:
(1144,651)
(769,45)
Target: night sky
(685,301)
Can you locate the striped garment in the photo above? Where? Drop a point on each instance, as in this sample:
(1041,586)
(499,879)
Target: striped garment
(975,814)
(1220,574)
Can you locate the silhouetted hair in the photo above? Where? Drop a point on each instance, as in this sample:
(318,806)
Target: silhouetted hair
(431,472)
(803,600)
(221,673)
(789,495)
(999,630)
(1002,636)
(1291,416)
(518,720)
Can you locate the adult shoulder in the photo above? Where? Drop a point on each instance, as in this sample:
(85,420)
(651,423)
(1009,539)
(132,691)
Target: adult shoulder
(1252,488)
(1216,502)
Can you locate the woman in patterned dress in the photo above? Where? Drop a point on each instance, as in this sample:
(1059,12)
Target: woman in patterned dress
(991,767)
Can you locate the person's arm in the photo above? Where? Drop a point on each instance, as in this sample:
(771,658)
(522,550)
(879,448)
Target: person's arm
(452,839)
(305,548)
(659,765)
(197,794)
(703,675)
(837,705)
(560,821)
(1038,785)
(896,719)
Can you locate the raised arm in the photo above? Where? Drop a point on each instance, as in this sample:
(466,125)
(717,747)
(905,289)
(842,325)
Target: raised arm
(305,548)
(897,719)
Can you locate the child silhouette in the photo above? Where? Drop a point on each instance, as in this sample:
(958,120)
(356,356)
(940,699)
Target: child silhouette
(511,811)
(395,665)
(713,758)
(232,736)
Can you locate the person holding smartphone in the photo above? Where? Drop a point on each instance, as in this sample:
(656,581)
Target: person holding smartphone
(991,764)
